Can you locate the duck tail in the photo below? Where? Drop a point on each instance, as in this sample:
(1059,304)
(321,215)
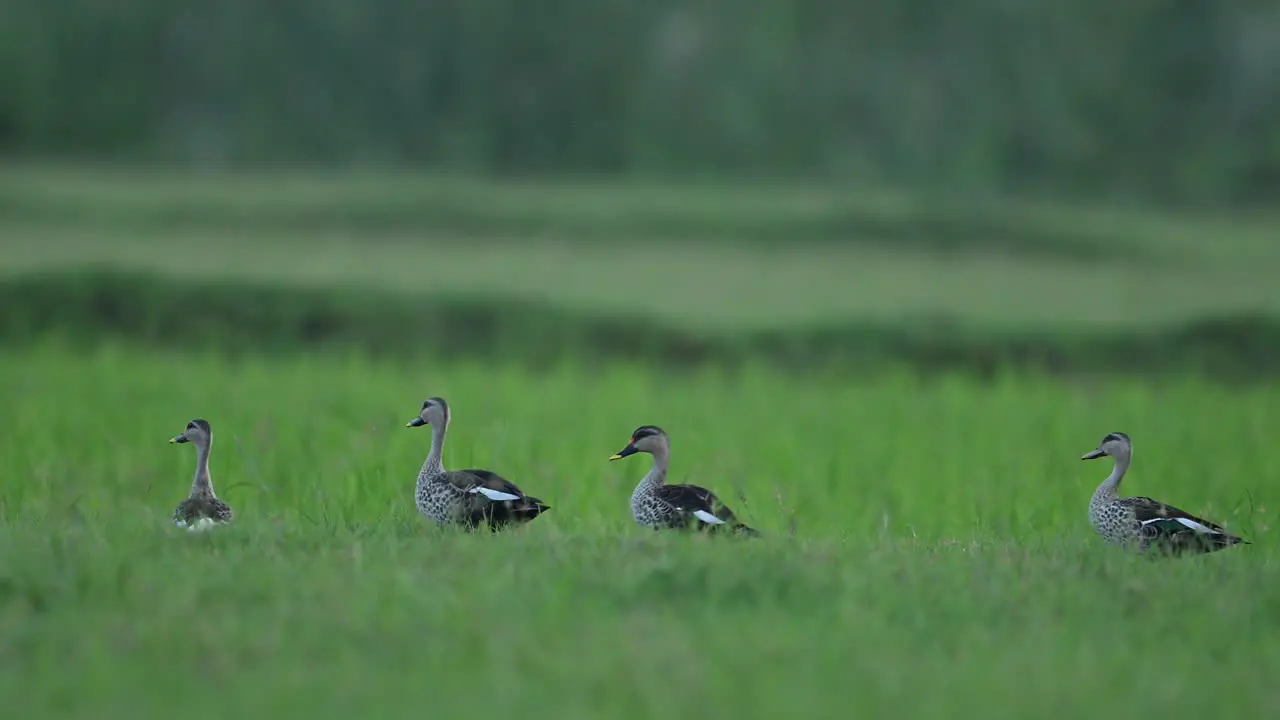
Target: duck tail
(1206,543)
(532,507)
(1227,539)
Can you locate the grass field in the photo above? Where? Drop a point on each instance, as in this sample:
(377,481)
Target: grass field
(926,550)
(927,546)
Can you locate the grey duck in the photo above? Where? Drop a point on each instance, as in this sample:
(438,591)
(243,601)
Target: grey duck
(202,510)
(1141,522)
(467,498)
(657,505)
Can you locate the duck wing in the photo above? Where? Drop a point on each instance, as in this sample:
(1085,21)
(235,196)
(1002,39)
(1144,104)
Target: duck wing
(699,502)
(1177,530)
(485,484)
(494,499)
(185,512)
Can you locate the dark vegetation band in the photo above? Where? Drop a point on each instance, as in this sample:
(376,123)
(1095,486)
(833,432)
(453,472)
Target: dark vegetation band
(91,306)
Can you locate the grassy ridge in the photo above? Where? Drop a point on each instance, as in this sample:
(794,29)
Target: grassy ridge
(939,542)
(681,271)
(380,203)
(96,305)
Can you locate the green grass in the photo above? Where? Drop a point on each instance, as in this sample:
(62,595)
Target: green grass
(940,564)
(799,255)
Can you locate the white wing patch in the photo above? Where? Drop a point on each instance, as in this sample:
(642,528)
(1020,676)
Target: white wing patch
(493,494)
(707,517)
(1197,526)
(1189,523)
(200,525)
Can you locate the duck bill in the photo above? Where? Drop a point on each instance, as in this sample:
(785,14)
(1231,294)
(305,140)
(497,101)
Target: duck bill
(179,439)
(416,422)
(1093,455)
(628,450)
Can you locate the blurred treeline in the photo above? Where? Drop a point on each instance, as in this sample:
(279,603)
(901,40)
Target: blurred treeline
(1164,100)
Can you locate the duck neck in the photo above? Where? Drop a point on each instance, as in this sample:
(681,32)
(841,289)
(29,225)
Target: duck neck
(435,459)
(657,475)
(202,485)
(1109,487)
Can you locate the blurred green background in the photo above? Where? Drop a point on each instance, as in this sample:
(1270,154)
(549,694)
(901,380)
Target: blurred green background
(883,270)
(944,184)
(1159,99)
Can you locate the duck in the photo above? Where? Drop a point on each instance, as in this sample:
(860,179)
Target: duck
(202,510)
(468,498)
(657,505)
(1143,523)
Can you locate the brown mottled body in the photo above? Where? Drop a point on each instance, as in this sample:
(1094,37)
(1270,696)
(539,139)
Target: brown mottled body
(202,508)
(655,504)
(1141,522)
(467,498)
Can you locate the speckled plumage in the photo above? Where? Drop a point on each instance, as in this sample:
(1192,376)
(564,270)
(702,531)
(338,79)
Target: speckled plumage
(466,498)
(190,511)
(451,498)
(657,505)
(1142,523)
(202,509)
